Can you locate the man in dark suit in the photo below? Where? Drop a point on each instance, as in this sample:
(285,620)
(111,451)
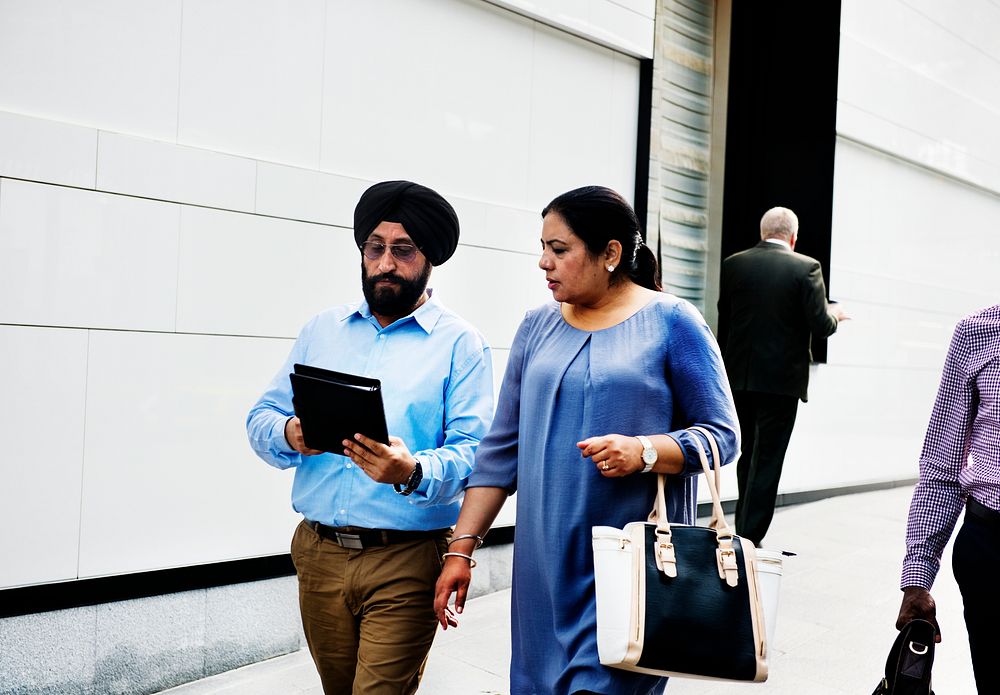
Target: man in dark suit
(771,302)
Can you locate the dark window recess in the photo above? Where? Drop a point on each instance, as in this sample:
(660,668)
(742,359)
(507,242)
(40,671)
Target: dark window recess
(781,123)
(642,144)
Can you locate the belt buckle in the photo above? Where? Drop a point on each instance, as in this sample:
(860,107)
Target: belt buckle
(349,540)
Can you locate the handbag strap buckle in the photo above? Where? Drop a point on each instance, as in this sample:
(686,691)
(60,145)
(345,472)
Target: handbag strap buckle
(728,570)
(666,559)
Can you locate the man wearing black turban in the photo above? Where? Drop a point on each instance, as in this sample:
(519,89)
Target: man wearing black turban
(427,217)
(377,517)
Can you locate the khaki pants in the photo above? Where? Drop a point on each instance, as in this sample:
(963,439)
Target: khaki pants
(368,615)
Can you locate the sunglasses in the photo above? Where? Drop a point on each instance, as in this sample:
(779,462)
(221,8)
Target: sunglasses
(373,250)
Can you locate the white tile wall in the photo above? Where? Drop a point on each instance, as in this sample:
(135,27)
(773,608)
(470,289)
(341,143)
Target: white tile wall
(303,194)
(491,289)
(935,49)
(251,78)
(71,257)
(921,88)
(976,22)
(948,156)
(514,230)
(624,25)
(169,478)
(41,150)
(572,126)
(110,64)
(249,275)
(623,28)
(624,126)
(646,8)
(902,222)
(43,372)
(457,125)
(901,265)
(184,122)
(171,172)
(859,426)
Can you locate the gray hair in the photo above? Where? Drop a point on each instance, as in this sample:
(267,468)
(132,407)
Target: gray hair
(779,223)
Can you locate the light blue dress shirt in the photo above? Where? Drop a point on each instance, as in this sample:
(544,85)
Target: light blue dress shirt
(437,388)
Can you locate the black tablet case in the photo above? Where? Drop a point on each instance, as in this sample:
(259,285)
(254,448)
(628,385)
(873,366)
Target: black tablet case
(332,406)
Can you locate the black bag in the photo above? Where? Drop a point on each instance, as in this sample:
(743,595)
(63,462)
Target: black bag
(908,668)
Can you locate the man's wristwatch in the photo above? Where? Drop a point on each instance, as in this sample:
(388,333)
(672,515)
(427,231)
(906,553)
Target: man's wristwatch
(649,454)
(413,482)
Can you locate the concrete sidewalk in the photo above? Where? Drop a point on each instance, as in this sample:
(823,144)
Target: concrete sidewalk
(839,600)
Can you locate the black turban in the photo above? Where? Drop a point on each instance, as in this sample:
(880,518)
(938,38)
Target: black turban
(427,217)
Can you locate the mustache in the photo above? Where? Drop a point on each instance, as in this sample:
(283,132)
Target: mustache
(389,277)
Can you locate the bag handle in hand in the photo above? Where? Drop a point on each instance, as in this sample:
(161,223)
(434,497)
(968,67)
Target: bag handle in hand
(666,559)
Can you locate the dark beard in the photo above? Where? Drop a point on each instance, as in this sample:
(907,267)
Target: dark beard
(397,300)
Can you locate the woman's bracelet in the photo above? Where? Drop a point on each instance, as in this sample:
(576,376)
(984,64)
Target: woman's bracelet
(472,563)
(479,539)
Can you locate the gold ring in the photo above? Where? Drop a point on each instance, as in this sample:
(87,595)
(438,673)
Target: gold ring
(606,466)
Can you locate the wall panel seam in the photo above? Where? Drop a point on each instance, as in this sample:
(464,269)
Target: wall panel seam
(918,165)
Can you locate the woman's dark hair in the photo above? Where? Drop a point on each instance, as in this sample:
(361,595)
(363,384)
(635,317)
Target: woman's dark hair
(597,215)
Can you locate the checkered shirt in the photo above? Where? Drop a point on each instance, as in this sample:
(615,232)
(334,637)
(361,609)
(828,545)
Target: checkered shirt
(961,453)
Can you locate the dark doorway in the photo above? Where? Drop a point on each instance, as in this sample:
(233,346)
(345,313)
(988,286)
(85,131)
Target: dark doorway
(781,123)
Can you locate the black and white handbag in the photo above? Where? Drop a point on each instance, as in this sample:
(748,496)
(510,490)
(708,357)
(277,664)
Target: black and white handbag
(680,600)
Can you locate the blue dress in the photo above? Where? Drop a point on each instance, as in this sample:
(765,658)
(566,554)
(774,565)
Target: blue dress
(658,371)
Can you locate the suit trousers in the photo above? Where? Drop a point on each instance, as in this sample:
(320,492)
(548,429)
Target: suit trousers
(766,421)
(975,560)
(368,614)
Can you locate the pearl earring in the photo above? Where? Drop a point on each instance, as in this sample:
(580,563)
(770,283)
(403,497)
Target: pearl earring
(611,268)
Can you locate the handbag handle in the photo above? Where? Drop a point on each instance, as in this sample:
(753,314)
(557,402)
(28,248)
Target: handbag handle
(666,559)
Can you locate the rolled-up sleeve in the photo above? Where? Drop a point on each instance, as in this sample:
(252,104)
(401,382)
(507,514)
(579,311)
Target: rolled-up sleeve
(701,390)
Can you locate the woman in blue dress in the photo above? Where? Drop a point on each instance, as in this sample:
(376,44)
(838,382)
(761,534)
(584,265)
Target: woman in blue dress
(600,387)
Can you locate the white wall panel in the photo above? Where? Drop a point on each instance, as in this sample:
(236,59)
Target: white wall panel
(621,27)
(624,133)
(904,223)
(859,426)
(624,25)
(455,116)
(43,373)
(229,142)
(514,230)
(77,258)
(303,194)
(498,226)
(251,78)
(976,22)
(172,172)
(249,275)
(491,289)
(947,156)
(572,128)
(169,478)
(50,151)
(931,48)
(110,64)
(958,131)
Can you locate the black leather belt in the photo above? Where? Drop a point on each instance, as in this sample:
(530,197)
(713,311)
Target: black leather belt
(982,512)
(360,538)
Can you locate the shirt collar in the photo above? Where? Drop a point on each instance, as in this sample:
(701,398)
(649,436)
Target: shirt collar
(426,315)
(779,242)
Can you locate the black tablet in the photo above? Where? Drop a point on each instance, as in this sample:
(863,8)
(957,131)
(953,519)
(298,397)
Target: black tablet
(332,406)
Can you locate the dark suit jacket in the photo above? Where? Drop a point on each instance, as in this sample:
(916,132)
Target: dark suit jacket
(771,302)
